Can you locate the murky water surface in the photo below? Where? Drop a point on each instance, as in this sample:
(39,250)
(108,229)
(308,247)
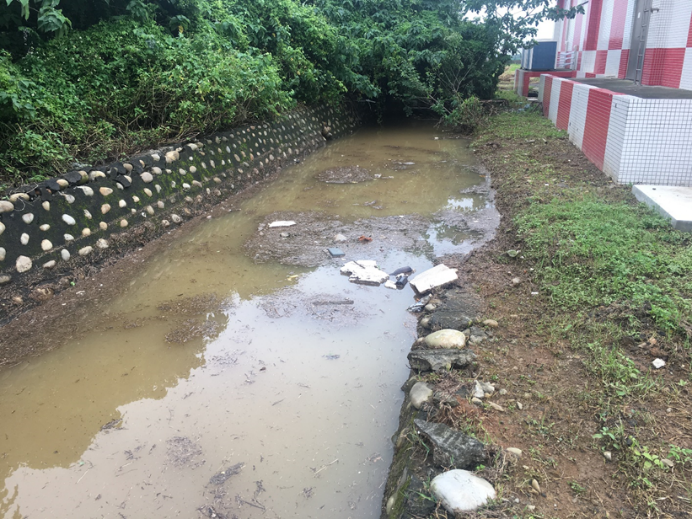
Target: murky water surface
(216,386)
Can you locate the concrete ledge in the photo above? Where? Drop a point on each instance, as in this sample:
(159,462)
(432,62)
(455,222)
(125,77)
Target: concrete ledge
(671,201)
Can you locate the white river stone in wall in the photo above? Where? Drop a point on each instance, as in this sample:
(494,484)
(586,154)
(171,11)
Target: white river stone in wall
(68,219)
(24,238)
(6,207)
(65,254)
(23,264)
(28,218)
(461,491)
(446,339)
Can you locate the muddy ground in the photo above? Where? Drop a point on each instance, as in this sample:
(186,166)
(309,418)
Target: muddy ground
(544,386)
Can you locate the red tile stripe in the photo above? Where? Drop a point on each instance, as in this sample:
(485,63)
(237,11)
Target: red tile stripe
(565,105)
(663,67)
(595,8)
(601,60)
(689,35)
(617,29)
(596,126)
(624,58)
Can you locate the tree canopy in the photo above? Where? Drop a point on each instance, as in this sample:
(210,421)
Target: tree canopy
(88,80)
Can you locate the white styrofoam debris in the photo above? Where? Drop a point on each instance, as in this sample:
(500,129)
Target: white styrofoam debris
(659,363)
(434,277)
(282,223)
(390,284)
(364,272)
(352,266)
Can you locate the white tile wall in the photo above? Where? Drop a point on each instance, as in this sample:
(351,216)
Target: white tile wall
(604,26)
(678,23)
(627,37)
(588,61)
(686,77)
(616,135)
(577,114)
(613,63)
(554,99)
(656,148)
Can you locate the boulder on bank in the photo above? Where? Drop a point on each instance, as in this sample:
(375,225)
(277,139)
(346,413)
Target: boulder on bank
(460,491)
(437,360)
(446,339)
(452,448)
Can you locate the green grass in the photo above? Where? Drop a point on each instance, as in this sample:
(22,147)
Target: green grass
(521,124)
(591,253)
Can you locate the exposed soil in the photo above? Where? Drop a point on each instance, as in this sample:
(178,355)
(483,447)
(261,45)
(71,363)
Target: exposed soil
(305,244)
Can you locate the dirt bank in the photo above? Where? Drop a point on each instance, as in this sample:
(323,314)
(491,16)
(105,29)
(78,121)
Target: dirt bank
(601,432)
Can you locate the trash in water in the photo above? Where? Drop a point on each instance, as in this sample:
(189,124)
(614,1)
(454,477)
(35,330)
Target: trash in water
(418,306)
(331,356)
(221,477)
(401,281)
(282,223)
(284,235)
(364,272)
(390,284)
(403,270)
(365,239)
(434,277)
(336,252)
(291,278)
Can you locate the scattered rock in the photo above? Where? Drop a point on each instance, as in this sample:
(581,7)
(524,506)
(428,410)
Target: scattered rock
(668,463)
(476,401)
(437,360)
(4,279)
(514,451)
(446,339)
(452,448)
(460,491)
(487,388)
(418,504)
(478,390)
(420,394)
(536,486)
(491,323)
(608,455)
(516,281)
(497,407)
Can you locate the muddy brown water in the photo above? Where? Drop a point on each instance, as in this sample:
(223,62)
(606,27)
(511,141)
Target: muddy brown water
(216,387)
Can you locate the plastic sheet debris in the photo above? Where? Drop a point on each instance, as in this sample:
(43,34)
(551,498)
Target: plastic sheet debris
(434,277)
(335,252)
(419,305)
(390,284)
(282,223)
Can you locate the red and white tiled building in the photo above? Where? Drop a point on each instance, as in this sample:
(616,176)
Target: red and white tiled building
(637,131)
(606,40)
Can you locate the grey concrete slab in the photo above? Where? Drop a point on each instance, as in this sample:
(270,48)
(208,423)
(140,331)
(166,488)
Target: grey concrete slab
(624,86)
(673,202)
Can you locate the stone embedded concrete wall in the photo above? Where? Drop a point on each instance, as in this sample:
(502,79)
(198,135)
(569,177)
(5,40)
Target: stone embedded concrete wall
(76,217)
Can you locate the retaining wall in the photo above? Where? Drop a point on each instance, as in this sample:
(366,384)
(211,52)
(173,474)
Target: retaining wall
(81,216)
(633,140)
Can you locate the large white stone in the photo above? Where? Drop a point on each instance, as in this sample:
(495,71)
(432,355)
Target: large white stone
(420,393)
(68,219)
(461,491)
(282,223)
(434,277)
(6,207)
(446,339)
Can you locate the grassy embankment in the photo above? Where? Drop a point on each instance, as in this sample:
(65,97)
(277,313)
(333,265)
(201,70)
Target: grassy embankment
(606,288)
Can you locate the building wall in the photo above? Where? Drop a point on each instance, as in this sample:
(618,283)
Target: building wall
(633,140)
(601,41)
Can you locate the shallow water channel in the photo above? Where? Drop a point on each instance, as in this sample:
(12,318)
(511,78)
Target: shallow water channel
(216,387)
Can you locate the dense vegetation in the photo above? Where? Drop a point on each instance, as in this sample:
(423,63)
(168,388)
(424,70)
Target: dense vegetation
(90,80)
